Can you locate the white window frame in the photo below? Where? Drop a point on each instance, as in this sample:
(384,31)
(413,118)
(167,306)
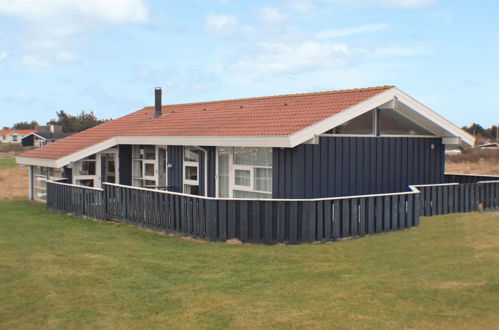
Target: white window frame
(189,181)
(116,163)
(375,126)
(77,166)
(155,162)
(232,175)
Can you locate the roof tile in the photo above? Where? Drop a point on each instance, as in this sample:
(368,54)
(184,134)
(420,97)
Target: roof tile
(280,115)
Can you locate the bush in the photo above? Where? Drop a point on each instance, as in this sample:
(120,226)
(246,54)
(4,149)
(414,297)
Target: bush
(475,155)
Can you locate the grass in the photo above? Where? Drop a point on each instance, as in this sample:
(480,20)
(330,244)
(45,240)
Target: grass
(7,163)
(58,271)
(14,180)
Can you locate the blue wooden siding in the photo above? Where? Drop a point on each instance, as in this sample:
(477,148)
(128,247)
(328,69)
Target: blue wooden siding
(125,161)
(340,166)
(176,158)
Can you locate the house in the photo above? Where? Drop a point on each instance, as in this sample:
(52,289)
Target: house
(489,146)
(43,136)
(325,144)
(14,135)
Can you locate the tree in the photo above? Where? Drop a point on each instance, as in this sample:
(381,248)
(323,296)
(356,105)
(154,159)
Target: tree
(475,129)
(74,124)
(26,125)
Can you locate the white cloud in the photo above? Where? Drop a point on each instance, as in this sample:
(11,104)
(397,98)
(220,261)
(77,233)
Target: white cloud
(387,3)
(86,11)
(281,57)
(3,55)
(52,25)
(221,24)
(225,25)
(402,51)
(303,6)
(272,15)
(351,31)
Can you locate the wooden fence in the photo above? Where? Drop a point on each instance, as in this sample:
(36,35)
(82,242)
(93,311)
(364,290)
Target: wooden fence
(271,220)
(78,200)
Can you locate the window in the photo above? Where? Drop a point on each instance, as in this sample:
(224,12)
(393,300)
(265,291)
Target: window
(109,166)
(191,170)
(40,174)
(363,124)
(387,121)
(85,172)
(243,178)
(245,172)
(14,138)
(393,123)
(144,170)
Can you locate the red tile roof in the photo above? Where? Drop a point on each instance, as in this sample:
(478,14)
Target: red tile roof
(20,131)
(280,115)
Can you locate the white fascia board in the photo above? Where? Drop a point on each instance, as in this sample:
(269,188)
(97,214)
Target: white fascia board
(451,140)
(36,161)
(86,152)
(434,122)
(341,117)
(454,130)
(218,141)
(41,137)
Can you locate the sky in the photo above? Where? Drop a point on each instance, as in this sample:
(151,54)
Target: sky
(107,56)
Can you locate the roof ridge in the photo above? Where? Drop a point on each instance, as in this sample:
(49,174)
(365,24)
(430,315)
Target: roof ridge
(339,91)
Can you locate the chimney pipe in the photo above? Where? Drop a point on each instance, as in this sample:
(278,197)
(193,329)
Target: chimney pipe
(157,102)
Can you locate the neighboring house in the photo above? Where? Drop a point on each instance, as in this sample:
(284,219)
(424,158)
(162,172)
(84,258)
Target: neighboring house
(347,142)
(453,151)
(44,135)
(14,135)
(489,146)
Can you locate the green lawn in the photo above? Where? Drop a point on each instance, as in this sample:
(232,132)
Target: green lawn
(7,163)
(58,271)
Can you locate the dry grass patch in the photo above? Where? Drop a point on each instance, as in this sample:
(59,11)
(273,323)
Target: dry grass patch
(482,166)
(14,182)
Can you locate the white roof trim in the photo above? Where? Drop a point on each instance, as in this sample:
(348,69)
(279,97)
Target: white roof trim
(41,137)
(442,127)
(36,161)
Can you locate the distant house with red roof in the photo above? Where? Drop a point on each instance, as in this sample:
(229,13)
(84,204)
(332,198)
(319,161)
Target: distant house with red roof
(14,135)
(325,144)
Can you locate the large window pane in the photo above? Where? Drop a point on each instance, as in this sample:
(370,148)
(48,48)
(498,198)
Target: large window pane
(363,124)
(253,156)
(393,123)
(263,179)
(243,177)
(87,167)
(191,155)
(149,169)
(148,152)
(191,173)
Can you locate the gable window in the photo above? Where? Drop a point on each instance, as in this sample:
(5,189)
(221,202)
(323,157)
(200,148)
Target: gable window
(361,125)
(393,123)
(380,122)
(245,172)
